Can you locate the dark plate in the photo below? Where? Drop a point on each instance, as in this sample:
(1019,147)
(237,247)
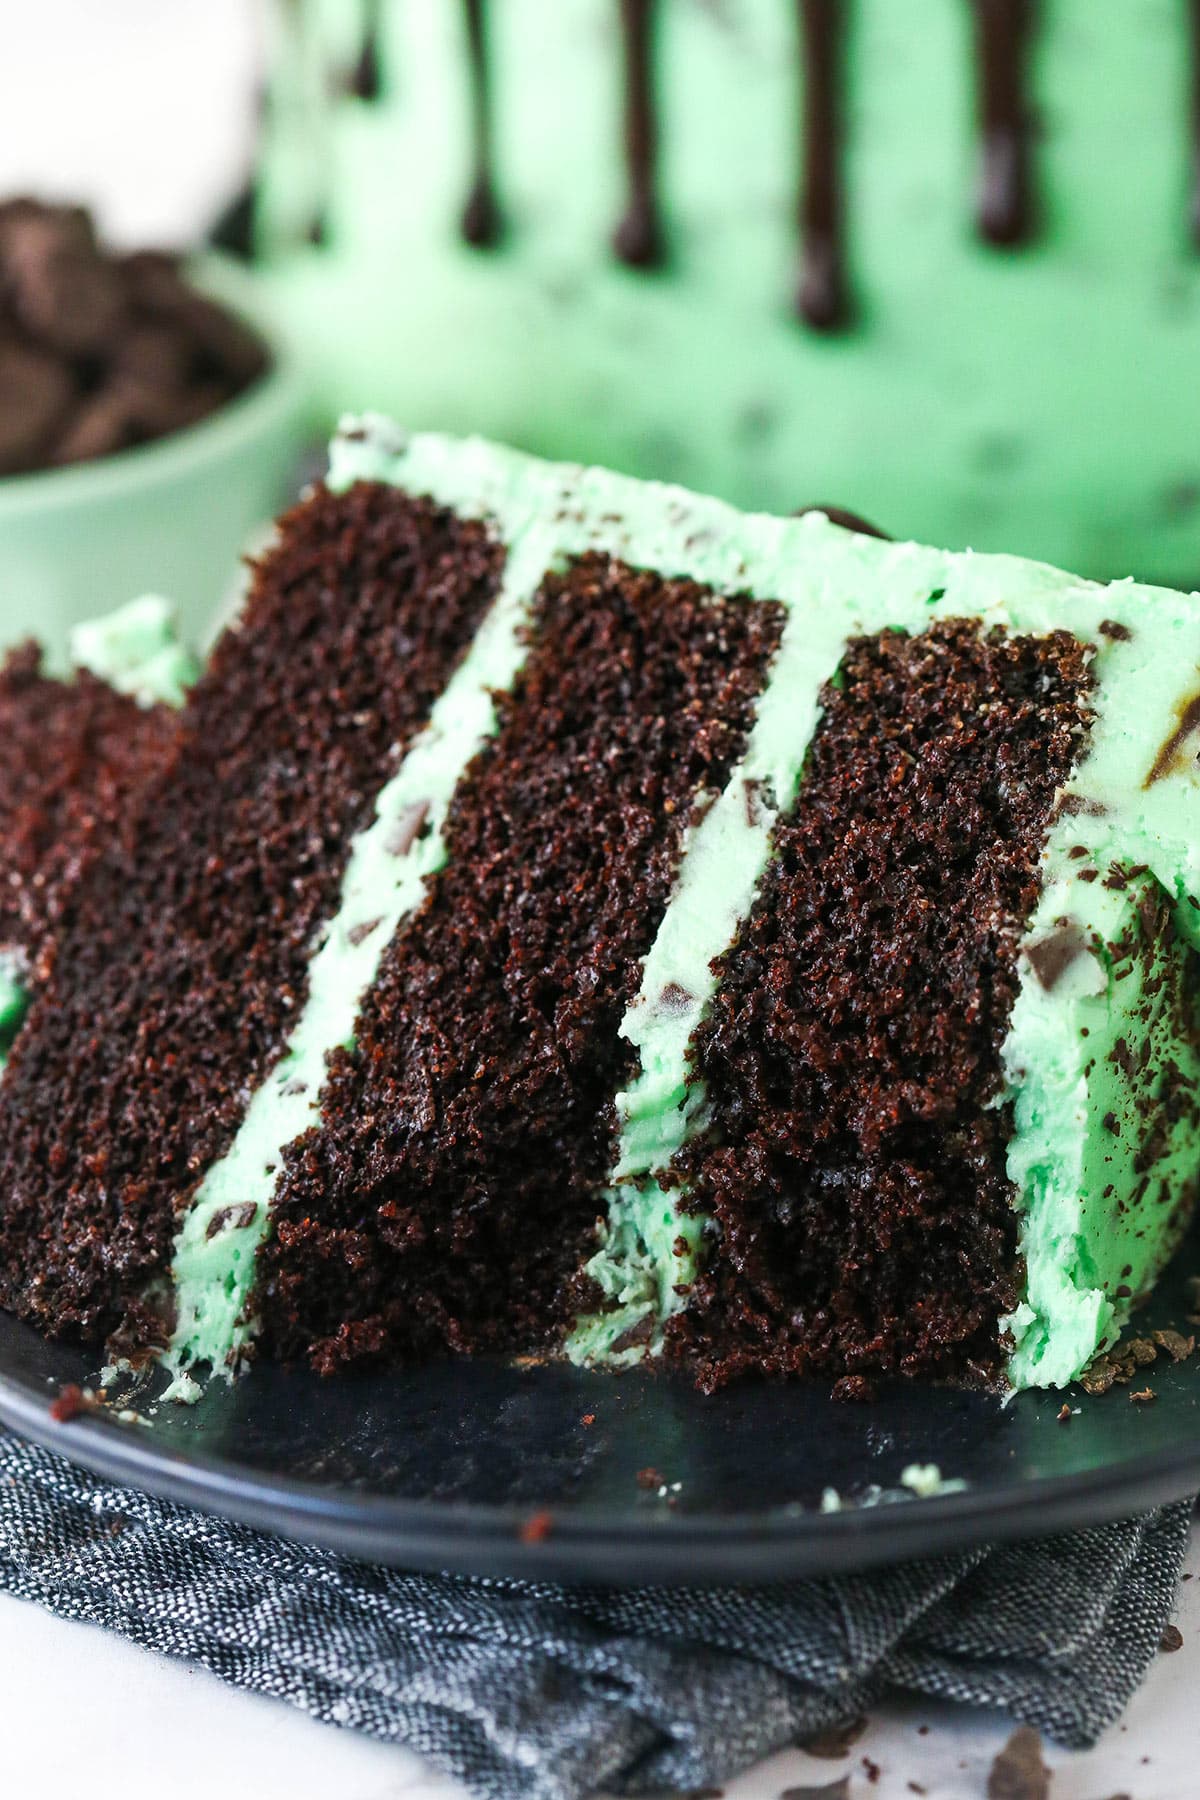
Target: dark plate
(488,1468)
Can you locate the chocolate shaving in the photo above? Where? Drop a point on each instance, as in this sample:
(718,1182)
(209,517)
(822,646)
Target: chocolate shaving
(1167,760)
(828,1790)
(407,829)
(358,934)
(232,1218)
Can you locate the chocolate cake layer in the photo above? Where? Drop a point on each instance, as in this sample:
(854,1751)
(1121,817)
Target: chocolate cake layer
(452,1190)
(72,753)
(855,1163)
(184,953)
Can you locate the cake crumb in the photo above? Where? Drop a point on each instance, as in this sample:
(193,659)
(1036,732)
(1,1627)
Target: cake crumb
(1063,1414)
(828,1790)
(70,1402)
(650,1480)
(1171,1639)
(835,1741)
(537,1528)
(1018,1772)
(1142,1396)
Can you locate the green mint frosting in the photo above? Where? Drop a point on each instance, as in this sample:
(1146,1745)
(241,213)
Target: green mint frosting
(136,650)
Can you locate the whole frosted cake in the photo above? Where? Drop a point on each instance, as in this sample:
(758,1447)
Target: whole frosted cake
(571,915)
(936,262)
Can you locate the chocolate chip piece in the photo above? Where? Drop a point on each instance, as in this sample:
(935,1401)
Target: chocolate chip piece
(1171,1639)
(358,934)
(222,342)
(36,394)
(828,1790)
(59,287)
(408,827)
(232,1218)
(1050,957)
(121,414)
(156,354)
(849,521)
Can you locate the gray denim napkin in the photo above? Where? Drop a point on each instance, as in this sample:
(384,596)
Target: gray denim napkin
(526,1690)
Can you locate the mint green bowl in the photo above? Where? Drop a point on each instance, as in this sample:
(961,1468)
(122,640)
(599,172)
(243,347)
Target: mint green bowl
(172,517)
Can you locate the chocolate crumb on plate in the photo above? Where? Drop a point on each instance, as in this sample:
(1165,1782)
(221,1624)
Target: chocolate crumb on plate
(1177,1347)
(1171,1639)
(828,1790)
(836,1741)
(1018,1772)
(72,1400)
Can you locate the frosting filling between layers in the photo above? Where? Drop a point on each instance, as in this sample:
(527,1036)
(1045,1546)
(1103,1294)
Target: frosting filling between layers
(837,586)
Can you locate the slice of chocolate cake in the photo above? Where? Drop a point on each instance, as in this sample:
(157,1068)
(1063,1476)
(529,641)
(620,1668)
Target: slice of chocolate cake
(73,751)
(579,916)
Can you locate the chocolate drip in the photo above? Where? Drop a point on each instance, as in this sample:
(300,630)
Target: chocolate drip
(1005,204)
(821,294)
(233,231)
(366,79)
(638,238)
(481,215)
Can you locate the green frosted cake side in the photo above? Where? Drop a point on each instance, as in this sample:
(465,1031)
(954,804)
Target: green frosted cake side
(1031,395)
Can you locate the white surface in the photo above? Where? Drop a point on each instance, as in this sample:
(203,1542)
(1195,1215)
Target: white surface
(142,107)
(84,1714)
